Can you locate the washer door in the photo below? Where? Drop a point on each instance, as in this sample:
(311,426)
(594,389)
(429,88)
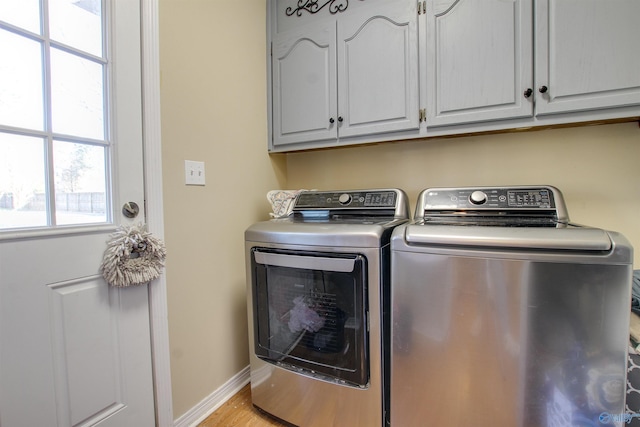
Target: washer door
(310,313)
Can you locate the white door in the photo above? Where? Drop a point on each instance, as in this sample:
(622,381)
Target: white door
(479,60)
(586,54)
(378,70)
(73,351)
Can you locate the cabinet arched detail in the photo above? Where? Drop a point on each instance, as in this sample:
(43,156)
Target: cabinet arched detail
(304,86)
(377,73)
(366,25)
(303,40)
(443,7)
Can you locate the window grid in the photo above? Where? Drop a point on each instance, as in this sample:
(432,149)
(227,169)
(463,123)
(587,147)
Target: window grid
(49,137)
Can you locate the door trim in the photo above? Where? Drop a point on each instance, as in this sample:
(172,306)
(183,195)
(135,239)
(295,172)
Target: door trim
(151,120)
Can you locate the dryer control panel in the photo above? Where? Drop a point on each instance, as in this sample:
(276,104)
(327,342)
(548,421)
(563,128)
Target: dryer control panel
(383,199)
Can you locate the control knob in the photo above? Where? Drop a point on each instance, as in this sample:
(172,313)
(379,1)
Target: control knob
(478,198)
(344,199)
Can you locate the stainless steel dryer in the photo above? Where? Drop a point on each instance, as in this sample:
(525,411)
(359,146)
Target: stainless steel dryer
(505,314)
(318,282)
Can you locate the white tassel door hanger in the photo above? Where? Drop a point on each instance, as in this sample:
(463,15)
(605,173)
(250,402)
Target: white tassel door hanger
(133,257)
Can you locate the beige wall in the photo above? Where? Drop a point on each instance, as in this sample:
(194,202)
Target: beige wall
(213,97)
(597,168)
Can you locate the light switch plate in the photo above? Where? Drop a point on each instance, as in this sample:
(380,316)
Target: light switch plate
(193,173)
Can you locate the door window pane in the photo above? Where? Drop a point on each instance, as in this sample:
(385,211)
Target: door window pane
(21,13)
(77,23)
(80,182)
(22,182)
(21,96)
(54,150)
(76,96)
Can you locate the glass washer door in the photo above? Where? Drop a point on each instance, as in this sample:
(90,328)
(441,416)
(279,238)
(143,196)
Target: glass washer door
(310,313)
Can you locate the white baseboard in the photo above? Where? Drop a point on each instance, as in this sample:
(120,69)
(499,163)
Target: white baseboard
(202,410)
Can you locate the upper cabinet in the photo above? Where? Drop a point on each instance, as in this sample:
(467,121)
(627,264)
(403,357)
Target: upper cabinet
(587,55)
(342,69)
(481,56)
(304,83)
(378,71)
(345,72)
(479,60)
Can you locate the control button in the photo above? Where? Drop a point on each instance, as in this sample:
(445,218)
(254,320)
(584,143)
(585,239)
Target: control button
(477,198)
(344,199)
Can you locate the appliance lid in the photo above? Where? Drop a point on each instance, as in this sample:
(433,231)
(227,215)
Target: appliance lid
(570,238)
(516,206)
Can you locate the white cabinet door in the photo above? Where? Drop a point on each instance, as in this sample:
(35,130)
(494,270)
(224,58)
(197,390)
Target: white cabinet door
(304,85)
(479,60)
(587,54)
(378,71)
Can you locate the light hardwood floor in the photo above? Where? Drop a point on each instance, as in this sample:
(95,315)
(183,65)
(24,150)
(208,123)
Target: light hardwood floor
(239,412)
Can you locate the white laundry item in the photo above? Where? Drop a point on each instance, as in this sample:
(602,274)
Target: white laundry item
(282,202)
(304,318)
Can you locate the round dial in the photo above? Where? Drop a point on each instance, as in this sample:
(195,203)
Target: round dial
(477,197)
(344,199)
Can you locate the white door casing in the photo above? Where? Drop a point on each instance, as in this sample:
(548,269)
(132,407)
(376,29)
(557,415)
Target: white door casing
(154,203)
(74,351)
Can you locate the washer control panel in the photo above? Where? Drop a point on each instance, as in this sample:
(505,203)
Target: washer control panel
(489,198)
(500,205)
(328,200)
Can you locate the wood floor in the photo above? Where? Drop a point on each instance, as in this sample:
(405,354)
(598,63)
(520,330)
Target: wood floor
(239,412)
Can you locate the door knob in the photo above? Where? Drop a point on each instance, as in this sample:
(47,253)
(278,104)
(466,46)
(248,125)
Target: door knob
(528,92)
(130,209)
(543,89)
(331,120)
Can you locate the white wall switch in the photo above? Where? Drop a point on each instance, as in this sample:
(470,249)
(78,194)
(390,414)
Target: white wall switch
(193,172)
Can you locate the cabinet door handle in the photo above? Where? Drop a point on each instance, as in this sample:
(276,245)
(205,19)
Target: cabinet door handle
(331,120)
(543,89)
(528,92)
(340,119)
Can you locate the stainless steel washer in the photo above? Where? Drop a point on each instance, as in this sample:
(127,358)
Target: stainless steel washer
(318,292)
(506,314)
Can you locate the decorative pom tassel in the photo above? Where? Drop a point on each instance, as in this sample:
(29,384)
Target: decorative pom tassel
(133,257)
